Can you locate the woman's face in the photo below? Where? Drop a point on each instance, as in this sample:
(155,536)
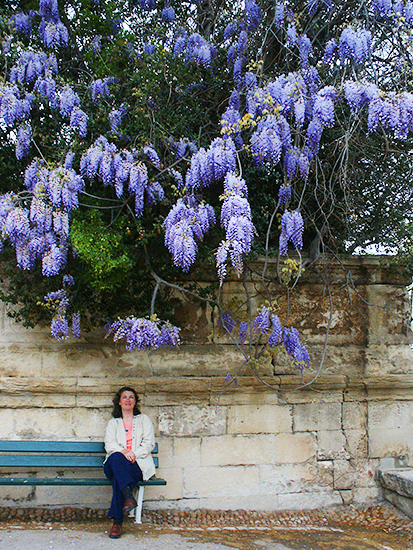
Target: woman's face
(127,401)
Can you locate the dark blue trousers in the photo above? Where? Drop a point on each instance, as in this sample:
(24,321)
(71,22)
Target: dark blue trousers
(122,473)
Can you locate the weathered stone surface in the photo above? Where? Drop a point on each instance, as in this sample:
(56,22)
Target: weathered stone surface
(286,478)
(345,475)
(405,504)
(392,442)
(191,420)
(354,415)
(331,444)
(258,449)
(308,501)
(317,416)
(174,488)
(259,419)
(399,480)
(187,452)
(264,447)
(220,481)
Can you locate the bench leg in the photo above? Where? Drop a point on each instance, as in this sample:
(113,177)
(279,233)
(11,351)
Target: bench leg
(138,510)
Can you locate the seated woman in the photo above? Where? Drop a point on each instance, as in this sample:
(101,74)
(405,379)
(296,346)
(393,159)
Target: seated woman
(129,440)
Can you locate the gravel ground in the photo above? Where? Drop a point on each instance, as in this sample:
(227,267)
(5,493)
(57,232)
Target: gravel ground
(349,528)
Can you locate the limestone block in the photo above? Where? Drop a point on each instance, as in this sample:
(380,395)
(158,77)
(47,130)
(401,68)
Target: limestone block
(191,420)
(264,503)
(384,358)
(325,473)
(17,495)
(399,480)
(317,416)
(366,495)
(187,452)
(391,414)
(171,491)
(7,423)
(308,501)
(223,481)
(44,424)
(345,475)
(365,472)
(357,443)
(194,360)
(76,496)
(354,415)
(257,449)
(403,503)
(181,504)
(347,496)
(259,419)
(87,424)
(331,445)
(286,478)
(173,391)
(391,442)
(20,360)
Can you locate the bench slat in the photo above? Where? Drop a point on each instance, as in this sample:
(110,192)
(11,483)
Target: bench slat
(56,461)
(44,461)
(72,481)
(22,446)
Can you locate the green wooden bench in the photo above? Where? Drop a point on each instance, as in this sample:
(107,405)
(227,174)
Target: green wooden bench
(39,456)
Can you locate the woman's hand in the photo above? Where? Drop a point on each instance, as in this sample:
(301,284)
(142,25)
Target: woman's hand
(130,455)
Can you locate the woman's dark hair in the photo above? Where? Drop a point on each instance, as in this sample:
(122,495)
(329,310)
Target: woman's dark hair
(117,411)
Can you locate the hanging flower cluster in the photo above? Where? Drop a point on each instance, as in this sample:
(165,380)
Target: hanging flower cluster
(120,168)
(292,228)
(208,166)
(194,48)
(187,223)
(141,333)
(41,231)
(51,29)
(59,302)
(236,219)
(266,323)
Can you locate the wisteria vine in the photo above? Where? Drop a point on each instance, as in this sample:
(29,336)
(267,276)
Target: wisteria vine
(275,123)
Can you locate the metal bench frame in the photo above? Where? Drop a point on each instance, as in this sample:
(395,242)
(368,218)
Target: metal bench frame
(33,456)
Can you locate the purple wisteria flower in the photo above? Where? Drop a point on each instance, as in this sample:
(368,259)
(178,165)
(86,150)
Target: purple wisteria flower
(59,328)
(116,116)
(46,87)
(21,23)
(276,335)
(100,88)
(211,165)
(227,321)
(79,121)
(68,100)
(237,221)
(284,195)
(76,324)
(253,14)
(262,321)
(279,14)
(354,45)
(186,223)
(24,136)
(141,333)
(54,34)
(153,156)
(242,332)
(168,14)
(292,228)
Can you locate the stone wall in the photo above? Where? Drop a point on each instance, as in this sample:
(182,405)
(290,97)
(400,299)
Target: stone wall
(255,446)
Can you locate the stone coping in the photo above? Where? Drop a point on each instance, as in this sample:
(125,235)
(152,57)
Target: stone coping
(399,480)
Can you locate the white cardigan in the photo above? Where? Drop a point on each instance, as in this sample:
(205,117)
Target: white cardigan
(143,441)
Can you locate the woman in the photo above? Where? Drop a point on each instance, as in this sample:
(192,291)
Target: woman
(129,440)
